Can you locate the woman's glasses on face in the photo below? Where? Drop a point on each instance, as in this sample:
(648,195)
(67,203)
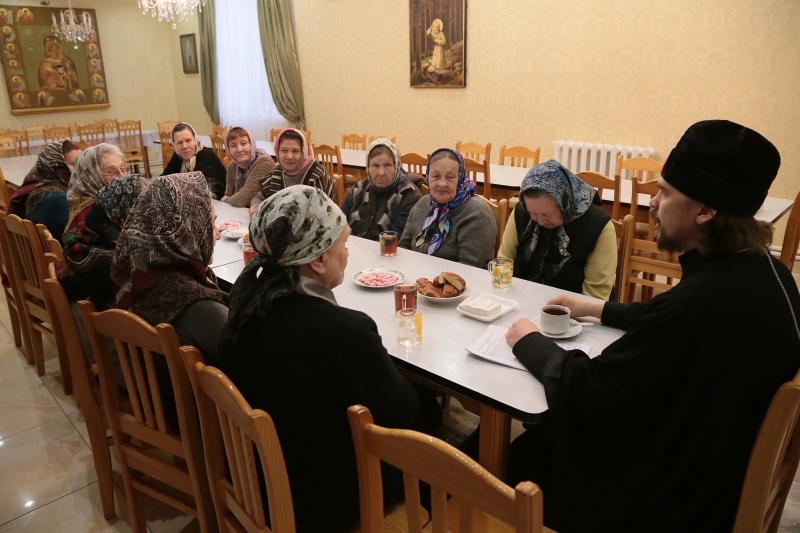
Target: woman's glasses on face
(115,172)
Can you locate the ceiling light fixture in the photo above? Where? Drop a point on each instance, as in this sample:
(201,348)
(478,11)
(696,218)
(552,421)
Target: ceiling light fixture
(73,28)
(171,9)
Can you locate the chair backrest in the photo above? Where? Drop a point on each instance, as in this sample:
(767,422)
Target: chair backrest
(520,156)
(220,130)
(232,430)
(499,210)
(330,157)
(27,253)
(146,445)
(476,151)
(20,138)
(71,126)
(5,193)
(273,133)
(49,243)
(476,169)
(8,147)
(354,141)
(129,134)
(773,463)
(92,133)
(791,238)
(447,470)
(643,264)
(638,168)
(109,124)
(57,133)
(373,137)
(35,133)
(414,163)
(648,189)
(167,149)
(218,145)
(167,126)
(601,182)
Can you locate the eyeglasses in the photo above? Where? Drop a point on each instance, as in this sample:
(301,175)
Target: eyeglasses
(115,172)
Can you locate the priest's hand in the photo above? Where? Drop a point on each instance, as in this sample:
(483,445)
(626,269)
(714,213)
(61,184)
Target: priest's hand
(519,329)
(579,307)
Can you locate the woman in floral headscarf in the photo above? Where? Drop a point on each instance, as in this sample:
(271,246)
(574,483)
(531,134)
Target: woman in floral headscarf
(282,295)
(94,168)
(451,222)
(382,200)
(295,166)
(191,156)
(559,235)
(249,164)
(89,246)
(161,262)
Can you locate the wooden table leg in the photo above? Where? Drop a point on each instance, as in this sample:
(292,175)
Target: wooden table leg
(494,441)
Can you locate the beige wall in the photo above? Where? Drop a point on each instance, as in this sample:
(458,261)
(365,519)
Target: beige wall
(143,70)
(624,71)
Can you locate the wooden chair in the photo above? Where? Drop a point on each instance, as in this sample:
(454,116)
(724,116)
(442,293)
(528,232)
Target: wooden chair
(5,192)
(165,137)
(791,238)
(218,145)
(87,388)
(21,139)
(35,133)
(8,147)
(167,126)
(414,163)
(216,129)
(11,291)
(647,188)
(354,141)
(473,150)
(520,156)
(50,244)
(235,436)
(30,270)
(93,133)
(475,169)
(330,157)
(601,182)
(373,137)
(273,133)
(638,168)
(480,501)
(71,126)
(56,133)
(109,125)
(773,463)
(150,453)
(131,142)
(499,210)
(307,135)
(643,264)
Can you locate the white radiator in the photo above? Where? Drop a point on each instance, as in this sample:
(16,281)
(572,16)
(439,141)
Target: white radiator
(579,156)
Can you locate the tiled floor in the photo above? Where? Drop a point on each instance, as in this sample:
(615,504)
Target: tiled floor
(47,479)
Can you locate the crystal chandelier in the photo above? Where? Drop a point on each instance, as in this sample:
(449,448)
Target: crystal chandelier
(73,28)
(171,9)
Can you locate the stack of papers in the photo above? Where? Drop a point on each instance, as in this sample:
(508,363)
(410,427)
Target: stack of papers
(492,346)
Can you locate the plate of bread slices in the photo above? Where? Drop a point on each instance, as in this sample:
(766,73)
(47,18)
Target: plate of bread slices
(444,288)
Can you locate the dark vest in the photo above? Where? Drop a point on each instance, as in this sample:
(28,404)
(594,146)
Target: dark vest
(583,233)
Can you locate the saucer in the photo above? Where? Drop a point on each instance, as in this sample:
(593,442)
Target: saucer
(574,329)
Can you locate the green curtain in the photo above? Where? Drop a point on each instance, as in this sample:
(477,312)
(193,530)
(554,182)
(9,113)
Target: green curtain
(208,60)
(280,58)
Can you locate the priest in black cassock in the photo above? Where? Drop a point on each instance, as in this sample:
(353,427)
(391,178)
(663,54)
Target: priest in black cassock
(655,433)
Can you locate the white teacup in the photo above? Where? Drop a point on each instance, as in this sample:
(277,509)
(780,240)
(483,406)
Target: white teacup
(554,319)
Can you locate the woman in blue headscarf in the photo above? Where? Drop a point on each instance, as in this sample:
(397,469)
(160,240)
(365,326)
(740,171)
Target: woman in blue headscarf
(451,222)
(559,235)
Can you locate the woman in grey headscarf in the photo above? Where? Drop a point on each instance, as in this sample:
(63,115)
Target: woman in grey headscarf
(287,353)
(382,200)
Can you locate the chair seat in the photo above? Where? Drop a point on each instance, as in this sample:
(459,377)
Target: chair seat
(483,522)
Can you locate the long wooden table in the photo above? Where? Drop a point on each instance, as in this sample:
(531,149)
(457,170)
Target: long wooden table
(442,360)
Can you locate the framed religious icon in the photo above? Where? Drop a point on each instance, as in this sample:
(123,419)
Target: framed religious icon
(189,54)
(44,71)
(438,43)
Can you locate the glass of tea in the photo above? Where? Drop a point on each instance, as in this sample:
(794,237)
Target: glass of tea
(405,296)
(388,241)
(248,252)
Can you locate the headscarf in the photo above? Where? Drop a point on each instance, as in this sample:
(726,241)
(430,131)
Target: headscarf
(398,167)
(50,168)
(168,231)
(254,150)
(439,217)
(572,195)
(303,146)
(86,179)
(290,228)
(186,165)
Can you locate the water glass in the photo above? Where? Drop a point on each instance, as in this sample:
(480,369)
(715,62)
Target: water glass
(409,327)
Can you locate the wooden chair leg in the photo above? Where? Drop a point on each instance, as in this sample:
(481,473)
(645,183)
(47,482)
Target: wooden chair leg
(27,336)
(38,350)
(136,508)
(15,325)
(66,374)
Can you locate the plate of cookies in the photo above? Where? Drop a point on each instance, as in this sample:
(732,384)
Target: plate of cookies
(446,287)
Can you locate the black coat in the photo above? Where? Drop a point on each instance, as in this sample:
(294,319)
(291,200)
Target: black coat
(655,433)
(209,164)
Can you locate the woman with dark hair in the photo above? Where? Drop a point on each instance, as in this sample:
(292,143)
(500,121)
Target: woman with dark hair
(161,262)
(382,200)
(451,222)
(283,294)
(558,234)
(248,166)
(295,166)
(191,156)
